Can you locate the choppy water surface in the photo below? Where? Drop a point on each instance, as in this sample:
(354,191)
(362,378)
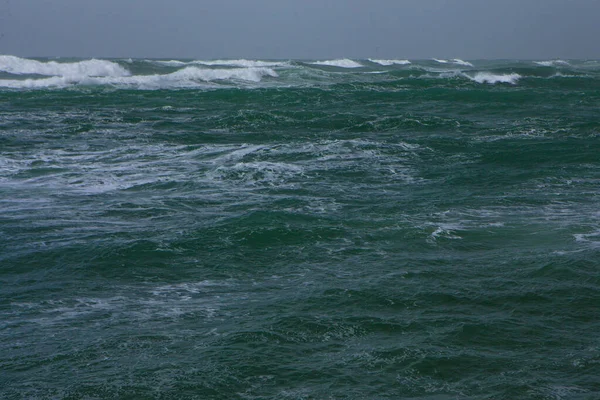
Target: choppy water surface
(345,229)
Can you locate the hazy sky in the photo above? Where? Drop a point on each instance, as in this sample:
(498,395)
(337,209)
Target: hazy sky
(469,29)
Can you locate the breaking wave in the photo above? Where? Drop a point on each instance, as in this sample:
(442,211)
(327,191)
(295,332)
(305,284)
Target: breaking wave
(488,77)
(184,78)
(552,63)
(456,61)
(23,66)
(225,63)
(387,63)
(342,63)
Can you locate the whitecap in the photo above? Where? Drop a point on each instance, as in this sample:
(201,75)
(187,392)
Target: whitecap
(342,63)
(487,77)
(242,63)
(93,67)
(245,74)
(184,78)
(387,63)
(552,63)
(169,63)
(458,61)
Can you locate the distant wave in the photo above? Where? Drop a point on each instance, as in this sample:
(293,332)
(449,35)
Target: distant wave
(225,63)
(184,78)
(488,77)
(23,66)
(170,63)
(342,63)
(387,63)
(456,61)
(552,63)
(243,63)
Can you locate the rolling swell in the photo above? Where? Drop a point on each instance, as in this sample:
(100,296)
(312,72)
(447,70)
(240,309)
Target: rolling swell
(285,229)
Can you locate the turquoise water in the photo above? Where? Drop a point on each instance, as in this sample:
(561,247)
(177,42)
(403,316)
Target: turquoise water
(349,229)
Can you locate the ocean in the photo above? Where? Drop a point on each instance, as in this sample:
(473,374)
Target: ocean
(299,229)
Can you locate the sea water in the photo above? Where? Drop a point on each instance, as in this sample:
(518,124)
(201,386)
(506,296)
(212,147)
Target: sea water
(299,229)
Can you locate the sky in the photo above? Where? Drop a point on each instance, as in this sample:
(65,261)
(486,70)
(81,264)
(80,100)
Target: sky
(302,29)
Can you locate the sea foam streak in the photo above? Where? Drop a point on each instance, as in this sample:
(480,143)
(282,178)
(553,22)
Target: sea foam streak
(387,63)
(342,63)
(23,66)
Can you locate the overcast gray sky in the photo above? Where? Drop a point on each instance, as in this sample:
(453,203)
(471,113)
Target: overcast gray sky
(315,29)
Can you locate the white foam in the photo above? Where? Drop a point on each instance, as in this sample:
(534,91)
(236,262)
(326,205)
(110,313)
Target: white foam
(387,63)
(552,63)
(22,66)
(243,63)
(342,63)
(188,77)
(488,77)
(458,61)
(245,74)
(257,172)
(170,63)
(591,239)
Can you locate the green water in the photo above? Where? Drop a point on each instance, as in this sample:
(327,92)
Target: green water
(287,230)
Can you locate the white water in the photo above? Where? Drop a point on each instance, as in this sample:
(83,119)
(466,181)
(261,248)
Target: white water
(23,66)
(387,63)
(243,63)
(343,63)
(184,78)
(552,63)
(487,77)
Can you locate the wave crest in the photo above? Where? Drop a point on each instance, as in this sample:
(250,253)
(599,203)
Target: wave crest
(23,66)
(456,61)
(243,63)
(188,77)
(552,63)
(341,63)
(488,77)
(387,63)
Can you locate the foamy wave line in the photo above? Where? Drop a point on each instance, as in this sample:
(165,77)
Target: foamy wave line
(184,78)
(552,63)
(341,63)
(225,63)
(456,61)
(387,63)
(487,77)
(93,67)
(243,63)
